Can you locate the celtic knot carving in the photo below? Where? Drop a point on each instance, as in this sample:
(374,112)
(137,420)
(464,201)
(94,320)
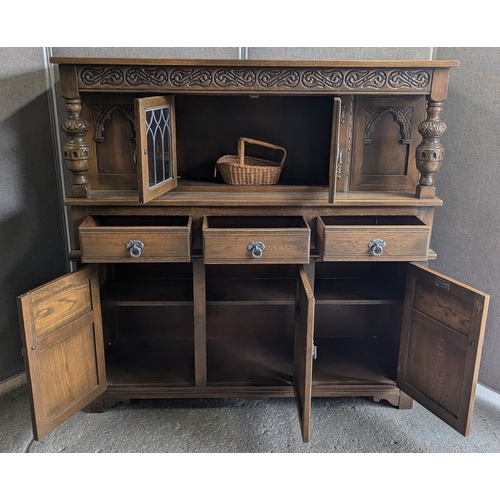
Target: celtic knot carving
(236,77)
(279,78)
(188,77)
(362,79)
(263,78)
(146,76)
(102,76)
(402,116)
(417,79)
(322,78)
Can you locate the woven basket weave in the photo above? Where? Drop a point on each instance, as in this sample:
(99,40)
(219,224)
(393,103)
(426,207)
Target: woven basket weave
(247,170)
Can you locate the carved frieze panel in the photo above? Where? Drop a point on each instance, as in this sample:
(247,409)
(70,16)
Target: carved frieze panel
(259,79)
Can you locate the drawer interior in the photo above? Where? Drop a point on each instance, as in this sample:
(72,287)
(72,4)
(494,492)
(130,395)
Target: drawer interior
(137,220)
(257,222)
(373,220)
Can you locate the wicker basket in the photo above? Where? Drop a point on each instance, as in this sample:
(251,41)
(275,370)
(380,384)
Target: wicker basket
(247,170)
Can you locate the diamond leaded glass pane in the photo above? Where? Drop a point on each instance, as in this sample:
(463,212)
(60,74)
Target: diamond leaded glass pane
(159,136)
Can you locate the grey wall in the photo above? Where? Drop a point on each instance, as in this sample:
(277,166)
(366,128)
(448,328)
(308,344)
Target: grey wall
(467,228)
(340,53)
(152,52)
(31,241)
(466,235)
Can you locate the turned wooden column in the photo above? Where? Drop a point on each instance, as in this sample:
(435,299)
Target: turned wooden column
(430,152)
(77,151)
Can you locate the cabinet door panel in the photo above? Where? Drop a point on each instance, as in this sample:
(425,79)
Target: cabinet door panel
(156,146)
(441,341)
(303,353)
(63,347)
(385,140)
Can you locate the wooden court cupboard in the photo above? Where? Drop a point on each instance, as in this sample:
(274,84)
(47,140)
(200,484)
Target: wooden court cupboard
(188,287)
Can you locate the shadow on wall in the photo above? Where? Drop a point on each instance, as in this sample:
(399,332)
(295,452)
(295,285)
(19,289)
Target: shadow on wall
(32,248)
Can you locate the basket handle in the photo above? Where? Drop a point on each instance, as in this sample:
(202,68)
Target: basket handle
(241,148)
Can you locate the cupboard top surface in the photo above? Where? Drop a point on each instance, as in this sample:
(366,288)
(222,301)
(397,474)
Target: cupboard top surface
(257,62)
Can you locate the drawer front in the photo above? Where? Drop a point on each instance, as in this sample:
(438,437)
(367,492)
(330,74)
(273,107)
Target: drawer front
(239,245)
(373,242)
(135,243)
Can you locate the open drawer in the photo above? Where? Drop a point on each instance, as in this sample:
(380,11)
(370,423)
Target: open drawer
(377,238)
(135,239)
(256,240)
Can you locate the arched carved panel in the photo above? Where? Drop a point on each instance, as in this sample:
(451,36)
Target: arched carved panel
(385,140)
(114,135)
(402,116)
(102,113)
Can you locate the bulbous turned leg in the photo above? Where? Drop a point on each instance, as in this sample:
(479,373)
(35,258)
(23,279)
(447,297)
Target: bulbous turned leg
(77,151)
(430,152)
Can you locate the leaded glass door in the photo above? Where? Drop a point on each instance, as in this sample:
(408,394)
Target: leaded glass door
(156,154)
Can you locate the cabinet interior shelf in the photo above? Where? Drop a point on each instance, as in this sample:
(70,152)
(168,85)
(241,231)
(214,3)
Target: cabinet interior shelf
(356,291)
(246,291)
(340,362)
(165,362)
(246,362)
(132,292)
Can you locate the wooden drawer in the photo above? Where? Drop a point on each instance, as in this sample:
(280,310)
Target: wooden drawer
(404,238)
(256,240)
(135,239)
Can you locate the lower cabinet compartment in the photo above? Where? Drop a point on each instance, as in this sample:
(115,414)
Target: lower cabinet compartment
(159,362)
(250,326)
(250,362)
(148,325)
(248,340)
(357,328)
(391,331)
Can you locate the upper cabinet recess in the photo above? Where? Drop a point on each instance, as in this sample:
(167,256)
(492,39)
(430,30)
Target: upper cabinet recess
(154,127)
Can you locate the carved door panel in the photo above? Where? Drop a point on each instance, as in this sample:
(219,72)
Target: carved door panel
(303,352)
(63,347)
(335,159)
(156,146)
(441,342)
(385,140)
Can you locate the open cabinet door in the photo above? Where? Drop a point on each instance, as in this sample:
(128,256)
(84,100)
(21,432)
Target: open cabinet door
(63,346)
(156,146)
(335,149)
(303,352)
(441,342)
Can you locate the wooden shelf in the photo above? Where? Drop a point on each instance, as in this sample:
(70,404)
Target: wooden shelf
(147,292)
(250,362)
(353,362)
(269,362)
(227,291)
(236,197)
(355,291)
(164,362)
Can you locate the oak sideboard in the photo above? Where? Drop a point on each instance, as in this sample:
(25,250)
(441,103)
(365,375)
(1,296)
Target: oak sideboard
(192,286)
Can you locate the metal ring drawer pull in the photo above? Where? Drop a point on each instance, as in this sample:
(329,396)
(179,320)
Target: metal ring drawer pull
(377,247)
(256,248)
(135,247)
